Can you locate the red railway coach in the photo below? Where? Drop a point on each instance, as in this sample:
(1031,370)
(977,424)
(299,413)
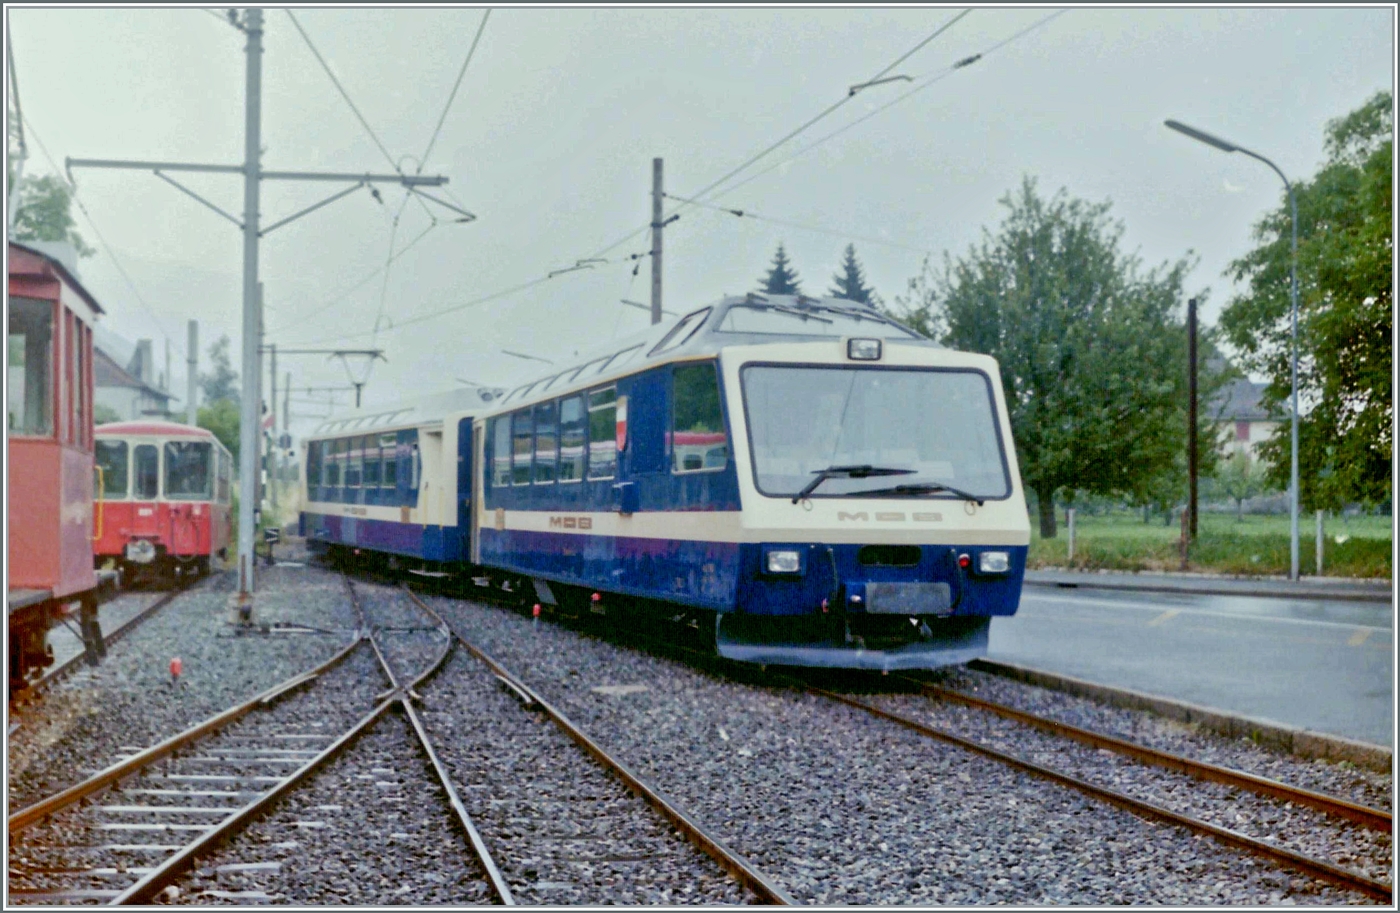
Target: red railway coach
(163,498)
(49,450)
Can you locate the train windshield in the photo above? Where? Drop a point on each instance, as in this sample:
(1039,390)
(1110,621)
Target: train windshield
(111,457)
(938,425)
(187,475)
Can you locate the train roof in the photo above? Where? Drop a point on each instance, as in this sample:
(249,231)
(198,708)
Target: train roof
(52,265)
(409,413)
(153,428)
(734,320)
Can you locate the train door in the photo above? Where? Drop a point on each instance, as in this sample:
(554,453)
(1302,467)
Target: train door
(145,489)
(464,479)
(430,451)
(189,487)
(478,489)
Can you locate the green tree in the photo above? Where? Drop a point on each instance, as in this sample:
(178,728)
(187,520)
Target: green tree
(782,278)
(221,416)
(1240,479)
(1345,249)
(221,383)
(103,413)
(44,213)
(850,281)
(1092,349)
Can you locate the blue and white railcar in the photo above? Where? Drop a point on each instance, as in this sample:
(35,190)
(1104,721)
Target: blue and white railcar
(836,489)
(387,482)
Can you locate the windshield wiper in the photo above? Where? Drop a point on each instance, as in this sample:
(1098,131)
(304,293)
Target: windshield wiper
(847,472)
(923,488)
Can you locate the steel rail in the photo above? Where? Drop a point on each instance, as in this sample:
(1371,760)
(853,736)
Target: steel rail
(1316,868)
(26,817)
(402,696)
(144,890)
(1372,818)
(736,865)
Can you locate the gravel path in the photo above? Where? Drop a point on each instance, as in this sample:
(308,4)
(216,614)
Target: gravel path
(840,807)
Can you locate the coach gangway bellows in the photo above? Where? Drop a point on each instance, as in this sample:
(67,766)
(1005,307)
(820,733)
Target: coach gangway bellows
(814,482)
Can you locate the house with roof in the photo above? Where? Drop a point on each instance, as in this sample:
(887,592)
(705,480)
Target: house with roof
(1239,408)
(129,387)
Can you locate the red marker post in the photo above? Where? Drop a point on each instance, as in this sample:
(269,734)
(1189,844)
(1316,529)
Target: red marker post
(536,613)
(176,667)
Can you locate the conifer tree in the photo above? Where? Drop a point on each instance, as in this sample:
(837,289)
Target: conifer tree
(782,278)
(850,281)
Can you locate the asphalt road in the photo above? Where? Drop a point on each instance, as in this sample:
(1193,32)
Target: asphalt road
(1325,665)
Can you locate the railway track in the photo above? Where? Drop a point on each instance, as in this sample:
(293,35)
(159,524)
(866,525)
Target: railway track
(577,827)
(1345,813)
(1321,869)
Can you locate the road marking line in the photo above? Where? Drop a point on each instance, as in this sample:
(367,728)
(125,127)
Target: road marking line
(1168,615)
(1360,636)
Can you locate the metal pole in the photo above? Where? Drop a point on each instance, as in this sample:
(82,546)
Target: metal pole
(192,382)
(656,195)
(1293,475)
(1319,543)
(1191,451)
(1070,518)
(248,431)
(286,422)
(167,379)
(272,411)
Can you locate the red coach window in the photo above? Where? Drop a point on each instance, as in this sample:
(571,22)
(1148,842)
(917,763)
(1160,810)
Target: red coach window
(1241,431)
(31,367)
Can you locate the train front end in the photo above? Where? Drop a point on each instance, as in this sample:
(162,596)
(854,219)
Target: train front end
(884,523)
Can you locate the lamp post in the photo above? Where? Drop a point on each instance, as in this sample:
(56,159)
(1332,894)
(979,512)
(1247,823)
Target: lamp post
(1227,146)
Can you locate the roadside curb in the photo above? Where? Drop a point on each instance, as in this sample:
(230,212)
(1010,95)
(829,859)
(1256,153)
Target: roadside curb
(1291,739)
(1203,585)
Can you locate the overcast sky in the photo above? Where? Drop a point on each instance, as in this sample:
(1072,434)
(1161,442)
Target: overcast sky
(550,140)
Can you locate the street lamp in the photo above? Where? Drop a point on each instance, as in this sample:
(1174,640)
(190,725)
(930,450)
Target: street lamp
(1227,146)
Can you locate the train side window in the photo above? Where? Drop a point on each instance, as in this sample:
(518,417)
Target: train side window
(698,441)
(332,464)
(500,451)
(546,441)
(389,444)
(146,471)
(30,344)
(187,475)
(680,334)
(372,458)
(354,462)
(523,436)
(313,465)
(573,428)
(416,466)
(602,433)
(112,457)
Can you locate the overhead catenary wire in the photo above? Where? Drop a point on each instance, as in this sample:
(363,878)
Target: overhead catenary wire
(457,85)
(750,214)
(102,239)
(749,162)
(929,80)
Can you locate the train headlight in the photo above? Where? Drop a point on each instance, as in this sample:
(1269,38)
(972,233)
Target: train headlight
(863,349)
(783,561)
(993,562)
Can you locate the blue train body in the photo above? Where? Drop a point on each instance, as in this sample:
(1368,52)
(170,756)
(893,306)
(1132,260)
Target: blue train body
(682,466)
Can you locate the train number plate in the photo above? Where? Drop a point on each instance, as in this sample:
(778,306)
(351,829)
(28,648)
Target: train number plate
(908,598)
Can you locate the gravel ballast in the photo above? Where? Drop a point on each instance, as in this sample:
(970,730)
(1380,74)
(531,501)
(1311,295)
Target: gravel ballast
(841,807)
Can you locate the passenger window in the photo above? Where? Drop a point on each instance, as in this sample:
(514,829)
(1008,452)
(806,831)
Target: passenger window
(111,456)
(187,475)
(524,444)
(31,357)
(146,469)
(698,441)
(371,477)
(602,433)
(332,466)
(500,451)
(546,442)
(572,434)
(416,466)
(389,446)
(354,462)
